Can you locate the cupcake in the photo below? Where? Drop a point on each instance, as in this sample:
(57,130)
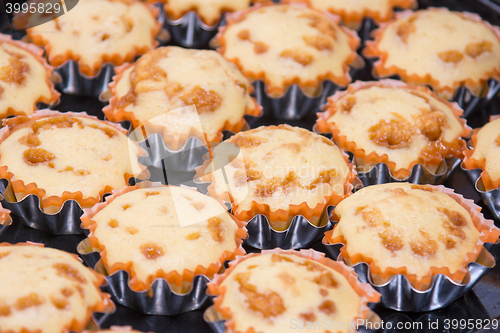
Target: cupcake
(181,93)
(484,154)
(276,291)
(116,33)
(448,50)
(210,11)
(394,123)
(61,156)
(280,172)
(46,290)
(418,231)
(298,45)
(353,12)
(157,233)
(25,78)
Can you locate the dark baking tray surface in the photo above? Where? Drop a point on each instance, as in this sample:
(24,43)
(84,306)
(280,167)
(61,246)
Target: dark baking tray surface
(480,304)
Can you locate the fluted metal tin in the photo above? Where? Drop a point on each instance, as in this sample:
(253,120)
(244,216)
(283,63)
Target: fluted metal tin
(490,198)
(190,31)
(75,83)
(159,300)
(185,159)
(65,222)
(380,174)
(300,234)
(470,102)
(398,294)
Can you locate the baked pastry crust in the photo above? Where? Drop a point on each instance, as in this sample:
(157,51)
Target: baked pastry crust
(47,290)
(38,158)
(265,292)
(116,33)
(394,123)
(25,78)
(301,46)
(449,234)
(159,232)
(155,91)
(448,50)
(485,153)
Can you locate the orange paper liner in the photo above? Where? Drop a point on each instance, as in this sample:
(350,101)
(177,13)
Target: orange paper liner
(488,234)
(211,23)
(372,157)
(364,290)
(472,163)
(4,214)
(104,306)
(22,189)
(354,18)
(276,90)
(379,69)
(172,277)
(114,58)
(38,55)
(113,113)
(278,216)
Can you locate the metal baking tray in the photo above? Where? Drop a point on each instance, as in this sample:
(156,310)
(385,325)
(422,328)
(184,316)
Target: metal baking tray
(479,305)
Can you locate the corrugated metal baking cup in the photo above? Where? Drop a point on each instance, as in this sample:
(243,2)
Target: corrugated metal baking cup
(490,198)
(471,103)
(75,83)
(295,104)
(158,300)
(65,222)
(190,31)
(300,234)
(398,294)
(380,174)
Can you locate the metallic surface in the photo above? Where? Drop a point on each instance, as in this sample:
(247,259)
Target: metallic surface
(490,198)
(190,31)
(158,300)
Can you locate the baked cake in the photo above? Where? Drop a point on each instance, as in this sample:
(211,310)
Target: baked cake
(392,122)
(157,89)
(297,45)
(276,169)
(24,78)
(486,154)
(438,47)
(116,33)
(416,230)
(46,290)
(353,12)
(161,231)
(63,153)
(210,11)
(278,291)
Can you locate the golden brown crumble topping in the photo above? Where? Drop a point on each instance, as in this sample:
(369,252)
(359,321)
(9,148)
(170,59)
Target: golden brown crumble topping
(431,124)
(293,146)
(497,140)
(33,299)
(371,215)
(216,229)
(448,241)
(244,34)
(391,240)
(327,307)
(423,187)
(454,223)
(269,304)
(132,230)
(30,140)
(326,280)
(308,316)
(272,185)
(152,250)
(59,303)
(243,141)
(325,177)
(286,278)
(424,249)
(453,56)
(279,258)
(36,156)
(16,70)
(323,292)
(148,193)
(69,272)
(323,25)
(320,43)
(393,134)
(204,101)
(298,56)
(66,292)
(4,310)
(260,47)
(476,49)
(4,254)
(127,206)
(58,122)
(113,223)
(193,236)
(405,29)
(348,103)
